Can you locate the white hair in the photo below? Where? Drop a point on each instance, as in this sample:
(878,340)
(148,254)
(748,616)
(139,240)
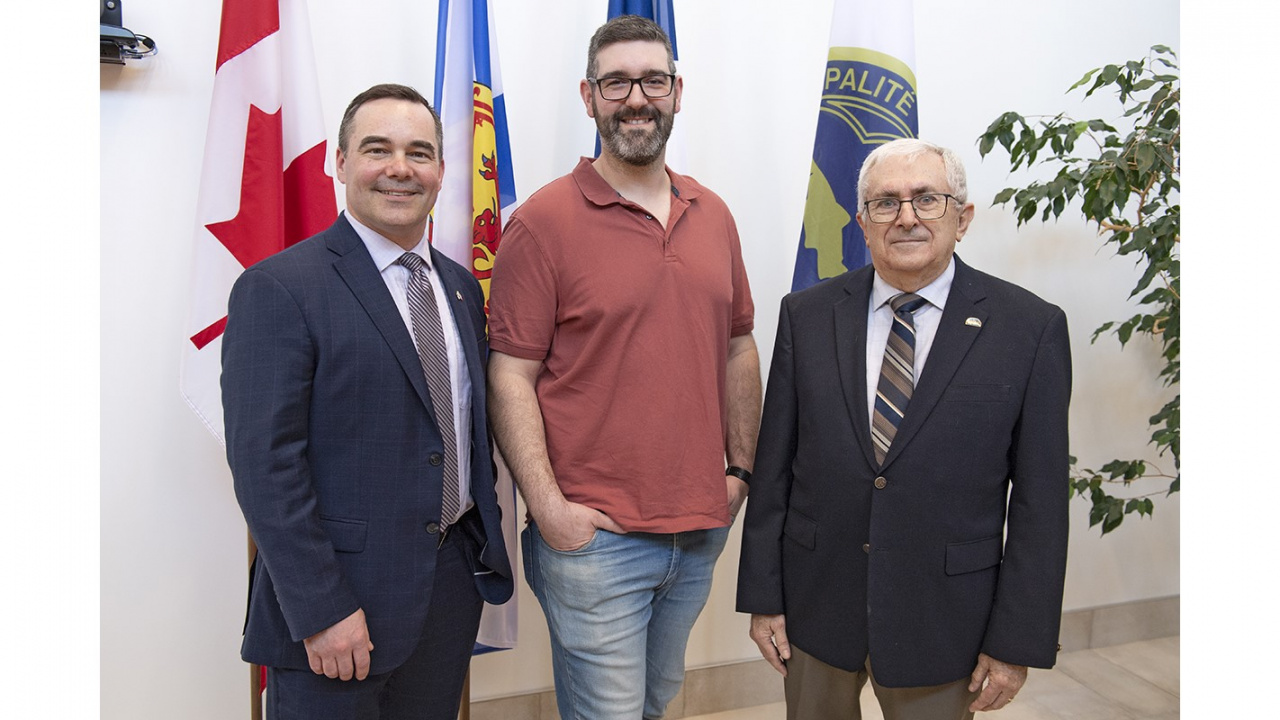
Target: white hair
(913,148)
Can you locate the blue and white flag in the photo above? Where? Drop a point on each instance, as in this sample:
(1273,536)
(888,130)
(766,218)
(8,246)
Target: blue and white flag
(477,193)
(868,99)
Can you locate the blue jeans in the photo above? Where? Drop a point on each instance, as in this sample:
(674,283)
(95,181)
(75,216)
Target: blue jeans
(620,609)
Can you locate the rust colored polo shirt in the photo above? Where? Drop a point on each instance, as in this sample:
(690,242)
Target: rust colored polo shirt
(632,323)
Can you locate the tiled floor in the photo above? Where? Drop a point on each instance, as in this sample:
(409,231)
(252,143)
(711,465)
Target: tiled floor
(1136,681)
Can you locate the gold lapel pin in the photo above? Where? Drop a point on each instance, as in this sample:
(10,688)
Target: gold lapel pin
(458,293)
(973,322)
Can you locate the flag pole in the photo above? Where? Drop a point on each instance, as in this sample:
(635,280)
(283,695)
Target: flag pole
(255,692)
(255,671)
(464,712)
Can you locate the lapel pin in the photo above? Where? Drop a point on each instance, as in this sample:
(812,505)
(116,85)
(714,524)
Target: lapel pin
(973,322)
(458,293)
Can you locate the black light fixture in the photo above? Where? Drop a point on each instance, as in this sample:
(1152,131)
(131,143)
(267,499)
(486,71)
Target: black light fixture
(118,43)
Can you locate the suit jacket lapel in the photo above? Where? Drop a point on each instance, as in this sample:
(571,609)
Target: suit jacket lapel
(950,345)
(356,268)
(850,317)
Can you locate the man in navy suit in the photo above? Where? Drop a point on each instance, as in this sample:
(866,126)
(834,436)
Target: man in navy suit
(916,534)
(365,596)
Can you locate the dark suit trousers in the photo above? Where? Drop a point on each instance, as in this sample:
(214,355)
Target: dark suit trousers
(818,691)
(428,686)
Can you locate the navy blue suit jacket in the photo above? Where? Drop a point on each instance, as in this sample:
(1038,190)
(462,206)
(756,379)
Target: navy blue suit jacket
(335,452)
(909,562)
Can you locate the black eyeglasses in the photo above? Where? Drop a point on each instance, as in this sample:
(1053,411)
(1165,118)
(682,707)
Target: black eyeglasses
(929,206)
(619,88)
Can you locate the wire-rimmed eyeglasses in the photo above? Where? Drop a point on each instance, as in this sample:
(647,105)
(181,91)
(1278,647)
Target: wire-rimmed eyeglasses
(929,206)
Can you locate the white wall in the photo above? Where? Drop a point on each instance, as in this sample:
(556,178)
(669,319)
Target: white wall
(172,540)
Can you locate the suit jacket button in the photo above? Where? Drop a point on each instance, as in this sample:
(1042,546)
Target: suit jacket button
(881,482)
(436,459)
(866,548)
(433,528)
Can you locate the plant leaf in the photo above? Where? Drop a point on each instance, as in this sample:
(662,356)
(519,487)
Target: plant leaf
(1083,80)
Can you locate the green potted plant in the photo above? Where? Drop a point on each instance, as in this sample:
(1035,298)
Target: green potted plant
(1127,182)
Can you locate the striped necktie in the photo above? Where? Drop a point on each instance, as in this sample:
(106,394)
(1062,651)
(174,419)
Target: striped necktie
(897,374)
(429,334)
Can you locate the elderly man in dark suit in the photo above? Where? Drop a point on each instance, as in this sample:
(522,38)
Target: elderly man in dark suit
(353,386)
(908,513)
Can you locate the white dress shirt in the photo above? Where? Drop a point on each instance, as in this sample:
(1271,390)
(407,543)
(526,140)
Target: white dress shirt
(385,254)
(880,320)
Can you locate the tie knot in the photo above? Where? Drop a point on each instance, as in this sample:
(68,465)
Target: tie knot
(909,302)
(414,262)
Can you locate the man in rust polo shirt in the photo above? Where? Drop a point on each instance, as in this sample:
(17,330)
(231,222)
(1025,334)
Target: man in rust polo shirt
(623,378)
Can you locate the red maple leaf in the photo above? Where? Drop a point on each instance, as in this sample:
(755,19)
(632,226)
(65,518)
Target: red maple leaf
(278,207)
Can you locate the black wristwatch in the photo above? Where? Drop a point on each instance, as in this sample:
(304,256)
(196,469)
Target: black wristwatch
(743,475)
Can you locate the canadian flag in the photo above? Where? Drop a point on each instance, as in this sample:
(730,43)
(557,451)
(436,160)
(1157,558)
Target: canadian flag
(263,186)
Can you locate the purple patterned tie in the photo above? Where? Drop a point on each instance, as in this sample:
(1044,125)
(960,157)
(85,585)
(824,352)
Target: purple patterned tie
(429,333)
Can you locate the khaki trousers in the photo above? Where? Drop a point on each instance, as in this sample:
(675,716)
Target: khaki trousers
(818,691)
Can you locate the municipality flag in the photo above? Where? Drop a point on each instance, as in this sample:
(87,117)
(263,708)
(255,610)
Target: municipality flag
(868,99)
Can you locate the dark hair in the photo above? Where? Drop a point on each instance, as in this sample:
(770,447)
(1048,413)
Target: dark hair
(381,92)
(626,28)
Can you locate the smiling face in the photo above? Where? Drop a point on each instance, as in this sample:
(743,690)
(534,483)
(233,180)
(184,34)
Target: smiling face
(635,129)
(392,169)
(910,253)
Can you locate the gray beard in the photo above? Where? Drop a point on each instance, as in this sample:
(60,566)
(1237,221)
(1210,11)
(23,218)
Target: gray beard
(634,148)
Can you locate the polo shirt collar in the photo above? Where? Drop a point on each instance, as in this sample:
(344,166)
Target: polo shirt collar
(599,191)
